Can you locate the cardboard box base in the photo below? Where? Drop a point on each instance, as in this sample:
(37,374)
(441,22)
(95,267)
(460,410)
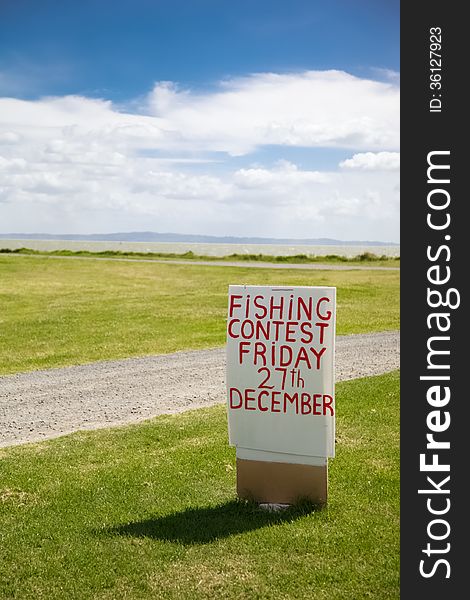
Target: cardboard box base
(281,483)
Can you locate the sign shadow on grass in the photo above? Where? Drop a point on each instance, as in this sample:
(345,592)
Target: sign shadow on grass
(207,524)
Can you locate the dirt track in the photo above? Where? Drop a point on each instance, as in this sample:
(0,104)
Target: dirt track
(43,404)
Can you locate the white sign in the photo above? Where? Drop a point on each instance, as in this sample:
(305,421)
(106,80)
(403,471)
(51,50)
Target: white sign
(280,369)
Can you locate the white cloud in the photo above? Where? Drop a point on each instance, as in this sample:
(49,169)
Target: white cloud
(9,137)
(388,75)
(311,109)
(373,161)
(284,177)
(80,164)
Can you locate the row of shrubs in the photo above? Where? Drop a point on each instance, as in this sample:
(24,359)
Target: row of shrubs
(296,258)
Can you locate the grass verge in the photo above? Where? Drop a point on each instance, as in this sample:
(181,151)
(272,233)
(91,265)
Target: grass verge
(64,312)
(149,511)
(361,259)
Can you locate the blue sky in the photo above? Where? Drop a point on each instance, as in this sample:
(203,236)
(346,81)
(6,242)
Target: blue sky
(157,71)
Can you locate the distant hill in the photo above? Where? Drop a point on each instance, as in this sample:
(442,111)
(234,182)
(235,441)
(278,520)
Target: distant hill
(152,236)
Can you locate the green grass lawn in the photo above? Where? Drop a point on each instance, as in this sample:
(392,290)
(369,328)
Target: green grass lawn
(149,511)
(57,312)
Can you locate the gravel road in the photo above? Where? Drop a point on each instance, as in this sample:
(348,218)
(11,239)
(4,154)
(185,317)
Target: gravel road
(44,404)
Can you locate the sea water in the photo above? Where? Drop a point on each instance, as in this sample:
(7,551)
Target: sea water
(207,249)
